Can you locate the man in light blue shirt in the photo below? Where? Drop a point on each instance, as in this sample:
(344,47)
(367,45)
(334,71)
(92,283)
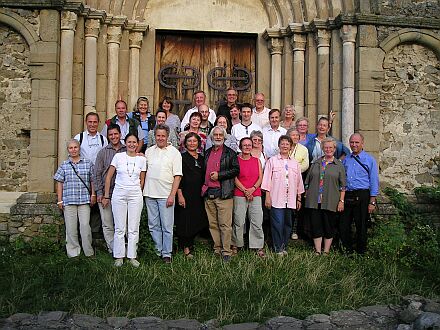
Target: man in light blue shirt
(360,196)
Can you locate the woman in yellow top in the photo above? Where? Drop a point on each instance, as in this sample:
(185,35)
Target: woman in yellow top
(298,151)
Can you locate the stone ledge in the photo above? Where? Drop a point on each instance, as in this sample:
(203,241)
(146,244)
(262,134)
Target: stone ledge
(8,199)
(414,312)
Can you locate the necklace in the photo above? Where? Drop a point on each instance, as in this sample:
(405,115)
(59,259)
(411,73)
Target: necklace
(128,165)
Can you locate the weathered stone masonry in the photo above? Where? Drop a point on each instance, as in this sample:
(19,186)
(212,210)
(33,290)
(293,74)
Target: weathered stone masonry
(374,62)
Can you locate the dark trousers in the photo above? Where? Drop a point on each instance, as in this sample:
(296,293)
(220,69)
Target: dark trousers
(355,209)
(281,227)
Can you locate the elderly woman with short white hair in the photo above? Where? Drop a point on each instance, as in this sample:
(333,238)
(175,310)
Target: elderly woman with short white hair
(325,191)
(75,192)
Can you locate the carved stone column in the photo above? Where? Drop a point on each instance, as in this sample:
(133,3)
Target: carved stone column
(348,36)
(114,35)
(276,51)
(323,40)
(135,42)
(92,27)
(298,42)
(68,25)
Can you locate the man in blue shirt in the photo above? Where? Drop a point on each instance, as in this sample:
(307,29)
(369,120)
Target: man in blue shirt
(360,196)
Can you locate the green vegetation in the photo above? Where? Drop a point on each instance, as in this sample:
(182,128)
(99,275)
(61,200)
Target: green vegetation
(403,259)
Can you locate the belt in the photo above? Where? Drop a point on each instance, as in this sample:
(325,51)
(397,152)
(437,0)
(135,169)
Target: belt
(357,190)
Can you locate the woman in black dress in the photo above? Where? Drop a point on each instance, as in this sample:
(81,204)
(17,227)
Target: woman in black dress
(190,217)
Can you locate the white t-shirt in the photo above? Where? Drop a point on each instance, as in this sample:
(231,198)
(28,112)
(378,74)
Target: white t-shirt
(163,164)
(91,145)
(128,170)
(240,131)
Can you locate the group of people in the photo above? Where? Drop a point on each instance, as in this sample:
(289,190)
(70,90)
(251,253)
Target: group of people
(232,171)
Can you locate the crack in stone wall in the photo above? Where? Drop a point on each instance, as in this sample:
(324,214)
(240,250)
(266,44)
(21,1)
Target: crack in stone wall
(410,118)
(15,103)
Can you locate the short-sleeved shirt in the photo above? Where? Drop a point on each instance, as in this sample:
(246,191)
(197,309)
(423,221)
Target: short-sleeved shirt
(163,164)
(74,190)
(128,170)
(282,178)
(91,144)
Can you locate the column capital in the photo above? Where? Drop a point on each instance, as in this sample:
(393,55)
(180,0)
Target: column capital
(92,27)
(68,20)
(298,42)
(275,46)
(135,39)
(348,33)
(323,37)
(114,34)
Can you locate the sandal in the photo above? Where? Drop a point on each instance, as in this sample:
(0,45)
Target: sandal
(317,253)
(234,250)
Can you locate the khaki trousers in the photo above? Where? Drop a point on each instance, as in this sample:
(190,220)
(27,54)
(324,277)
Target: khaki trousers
(72,215)
(219,213)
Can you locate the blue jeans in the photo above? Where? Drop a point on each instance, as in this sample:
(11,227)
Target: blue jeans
(160,223)
(281,226)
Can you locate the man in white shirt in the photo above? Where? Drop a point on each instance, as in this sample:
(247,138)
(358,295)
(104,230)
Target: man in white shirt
(164,171)
(199,99)
(260,114)
(272,133)
(245,128)
(91,141)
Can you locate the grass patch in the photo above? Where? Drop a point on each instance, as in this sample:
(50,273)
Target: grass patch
(246,289)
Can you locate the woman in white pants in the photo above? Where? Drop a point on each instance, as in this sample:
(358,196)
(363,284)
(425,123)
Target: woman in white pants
(75,194)
(127,199)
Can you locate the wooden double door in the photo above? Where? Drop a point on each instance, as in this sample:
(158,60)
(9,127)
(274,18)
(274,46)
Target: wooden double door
(186,63)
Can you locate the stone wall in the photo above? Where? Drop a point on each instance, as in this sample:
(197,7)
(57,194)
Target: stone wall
(411,8)
(35,214)
(410,118)
(15,101)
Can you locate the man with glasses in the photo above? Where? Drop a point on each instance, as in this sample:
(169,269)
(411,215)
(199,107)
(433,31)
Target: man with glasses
(246,126)
(231,99)
(260,114)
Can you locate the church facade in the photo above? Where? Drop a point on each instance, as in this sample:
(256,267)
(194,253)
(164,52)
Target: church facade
(375,63)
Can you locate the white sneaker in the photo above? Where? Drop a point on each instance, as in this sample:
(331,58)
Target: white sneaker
(134,263)
(119,262)
(294,236)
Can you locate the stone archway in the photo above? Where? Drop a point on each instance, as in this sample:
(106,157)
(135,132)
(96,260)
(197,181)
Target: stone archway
(410,117)
(43,61)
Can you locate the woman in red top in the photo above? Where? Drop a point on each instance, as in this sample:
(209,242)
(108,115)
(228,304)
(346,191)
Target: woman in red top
(247,197)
